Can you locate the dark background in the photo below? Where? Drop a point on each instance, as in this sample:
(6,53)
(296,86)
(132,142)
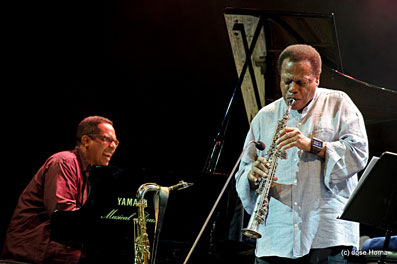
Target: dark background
(163,71)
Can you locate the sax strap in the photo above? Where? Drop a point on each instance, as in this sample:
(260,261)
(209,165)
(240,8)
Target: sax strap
(160,204)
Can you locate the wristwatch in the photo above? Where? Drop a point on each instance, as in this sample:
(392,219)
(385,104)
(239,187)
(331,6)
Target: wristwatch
(316,145)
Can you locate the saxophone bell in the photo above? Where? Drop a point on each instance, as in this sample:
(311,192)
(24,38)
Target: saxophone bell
(251,233)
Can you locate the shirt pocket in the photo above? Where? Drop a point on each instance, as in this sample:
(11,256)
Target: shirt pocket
(322,126)
(325,133)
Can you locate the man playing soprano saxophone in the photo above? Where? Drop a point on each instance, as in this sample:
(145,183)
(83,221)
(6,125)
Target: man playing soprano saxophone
(326,145)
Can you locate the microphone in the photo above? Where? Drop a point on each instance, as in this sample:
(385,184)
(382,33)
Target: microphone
(260,145)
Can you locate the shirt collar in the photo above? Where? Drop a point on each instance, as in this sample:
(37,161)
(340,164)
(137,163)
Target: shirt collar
(83,161)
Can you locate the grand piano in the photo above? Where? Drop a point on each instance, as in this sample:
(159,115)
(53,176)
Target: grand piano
(257,37)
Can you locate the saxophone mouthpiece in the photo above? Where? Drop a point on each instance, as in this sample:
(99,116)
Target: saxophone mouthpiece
(290,98)
(291,101)
(180,186)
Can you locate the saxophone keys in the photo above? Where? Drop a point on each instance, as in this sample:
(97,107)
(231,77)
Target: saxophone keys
(283,155)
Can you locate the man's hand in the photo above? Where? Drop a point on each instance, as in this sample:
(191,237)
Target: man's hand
(259,169)
(293,137)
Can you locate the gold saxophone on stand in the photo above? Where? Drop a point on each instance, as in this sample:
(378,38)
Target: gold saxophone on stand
(141,238)
(262,201)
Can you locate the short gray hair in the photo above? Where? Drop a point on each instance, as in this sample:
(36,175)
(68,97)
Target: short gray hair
(301,52)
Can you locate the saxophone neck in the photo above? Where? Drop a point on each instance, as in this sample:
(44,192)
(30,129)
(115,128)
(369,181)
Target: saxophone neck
(146,187)
(290,103)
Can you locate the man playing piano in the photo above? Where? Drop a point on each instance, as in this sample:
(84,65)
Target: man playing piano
(60,184)
(326,145)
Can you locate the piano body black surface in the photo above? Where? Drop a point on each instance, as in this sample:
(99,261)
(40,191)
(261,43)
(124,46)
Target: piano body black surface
(103,226)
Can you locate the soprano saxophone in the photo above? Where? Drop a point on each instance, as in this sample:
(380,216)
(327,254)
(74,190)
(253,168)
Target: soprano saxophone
(259,214)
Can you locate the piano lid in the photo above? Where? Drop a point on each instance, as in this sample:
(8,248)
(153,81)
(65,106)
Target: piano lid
(261,35)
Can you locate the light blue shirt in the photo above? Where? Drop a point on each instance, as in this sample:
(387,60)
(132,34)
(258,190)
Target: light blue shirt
(310,192)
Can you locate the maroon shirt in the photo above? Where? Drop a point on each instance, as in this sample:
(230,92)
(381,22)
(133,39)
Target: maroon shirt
(60,184)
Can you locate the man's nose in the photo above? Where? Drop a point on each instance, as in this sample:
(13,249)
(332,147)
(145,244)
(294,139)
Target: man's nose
(293,87)
(113,145)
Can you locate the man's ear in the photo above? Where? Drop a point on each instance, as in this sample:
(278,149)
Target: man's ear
(85,140)
(317,80)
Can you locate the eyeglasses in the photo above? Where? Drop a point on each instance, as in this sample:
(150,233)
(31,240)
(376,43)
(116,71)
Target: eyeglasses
(105,139)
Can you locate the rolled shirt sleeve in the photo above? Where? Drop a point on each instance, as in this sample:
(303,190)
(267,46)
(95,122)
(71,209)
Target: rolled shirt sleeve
(246,194)
(349,154)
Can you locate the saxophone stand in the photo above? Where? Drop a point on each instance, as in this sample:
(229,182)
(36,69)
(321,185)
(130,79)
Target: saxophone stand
(142,245)
(160,204)
(258,145)
(374,201)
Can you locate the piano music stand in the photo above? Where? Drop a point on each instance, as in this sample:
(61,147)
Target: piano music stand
(374,201)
